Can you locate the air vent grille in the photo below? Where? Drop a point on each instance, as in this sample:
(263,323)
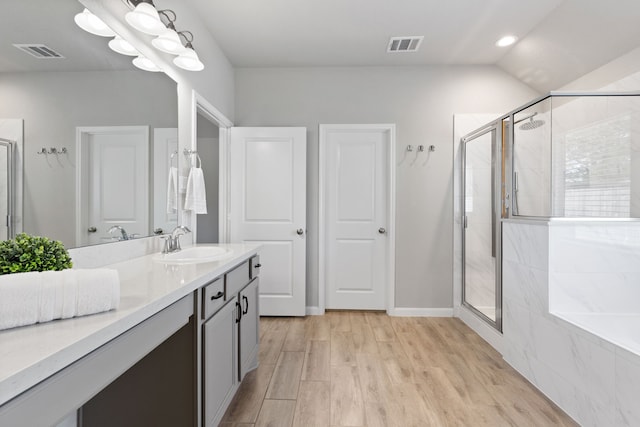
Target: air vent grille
(404,44)
(40,51)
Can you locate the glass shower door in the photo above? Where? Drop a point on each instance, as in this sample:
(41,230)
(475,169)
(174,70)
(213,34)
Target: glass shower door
(481,250)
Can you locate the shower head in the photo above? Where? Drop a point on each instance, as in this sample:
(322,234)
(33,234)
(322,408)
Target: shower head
(531,124)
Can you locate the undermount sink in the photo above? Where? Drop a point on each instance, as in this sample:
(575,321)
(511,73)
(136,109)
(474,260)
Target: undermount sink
(194,254)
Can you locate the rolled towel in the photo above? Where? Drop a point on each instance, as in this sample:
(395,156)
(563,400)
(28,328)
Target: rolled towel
(37,297)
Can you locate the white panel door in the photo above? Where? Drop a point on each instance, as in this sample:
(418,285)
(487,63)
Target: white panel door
(267,205)
(114,164)
(356,202)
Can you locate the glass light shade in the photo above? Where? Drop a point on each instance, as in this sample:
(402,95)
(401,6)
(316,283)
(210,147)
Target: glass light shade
(168,42)
(188,60)
(92,24)
(145,18)
(145,64)
(120,45)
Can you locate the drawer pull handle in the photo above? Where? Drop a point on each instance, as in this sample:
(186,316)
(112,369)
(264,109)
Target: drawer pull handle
(238,313)
(257,265)
(246,304)
(219,295)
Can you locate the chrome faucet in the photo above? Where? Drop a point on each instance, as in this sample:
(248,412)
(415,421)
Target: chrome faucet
(172,241)
(123,232)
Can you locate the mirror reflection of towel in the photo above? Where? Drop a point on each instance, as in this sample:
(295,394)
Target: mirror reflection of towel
(172,190)
(196,198)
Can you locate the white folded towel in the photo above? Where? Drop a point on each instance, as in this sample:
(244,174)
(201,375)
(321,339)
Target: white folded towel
(172,190)
(38,297)
(196,198)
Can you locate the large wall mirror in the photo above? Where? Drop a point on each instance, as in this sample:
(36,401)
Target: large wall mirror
(97,133)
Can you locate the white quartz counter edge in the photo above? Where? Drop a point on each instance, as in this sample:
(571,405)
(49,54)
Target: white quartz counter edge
(30,354)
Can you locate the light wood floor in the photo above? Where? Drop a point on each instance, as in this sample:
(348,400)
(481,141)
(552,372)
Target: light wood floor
(369,369)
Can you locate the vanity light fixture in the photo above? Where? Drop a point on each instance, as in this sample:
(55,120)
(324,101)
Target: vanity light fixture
(146,18)
(120,45)
(145,64)
(92,24)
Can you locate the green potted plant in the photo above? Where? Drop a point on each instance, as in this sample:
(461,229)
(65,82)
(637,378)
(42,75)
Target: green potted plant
(26,253)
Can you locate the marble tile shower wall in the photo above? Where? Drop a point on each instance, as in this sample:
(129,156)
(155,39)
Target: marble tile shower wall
(592,380)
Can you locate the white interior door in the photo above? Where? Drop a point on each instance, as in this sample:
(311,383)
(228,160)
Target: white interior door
(113,182)
(165,155)
(267,205)
(356,223)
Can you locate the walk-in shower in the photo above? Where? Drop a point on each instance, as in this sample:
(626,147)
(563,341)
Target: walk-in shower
(564,155)
(7,188)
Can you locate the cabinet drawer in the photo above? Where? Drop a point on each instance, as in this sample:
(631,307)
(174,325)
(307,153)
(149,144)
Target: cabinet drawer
(254,267)
(212,297)
(237,279)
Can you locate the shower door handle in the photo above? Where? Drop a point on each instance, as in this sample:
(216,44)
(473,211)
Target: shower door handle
(92,229)
(381,230)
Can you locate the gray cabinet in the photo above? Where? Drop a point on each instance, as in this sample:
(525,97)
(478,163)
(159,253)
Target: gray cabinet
(249,333)
(220,362)
(230,336)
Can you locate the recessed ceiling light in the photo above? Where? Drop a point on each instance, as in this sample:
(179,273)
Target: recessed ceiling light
(506,41)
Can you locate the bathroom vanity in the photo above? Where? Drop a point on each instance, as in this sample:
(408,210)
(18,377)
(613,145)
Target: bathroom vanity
(174,353)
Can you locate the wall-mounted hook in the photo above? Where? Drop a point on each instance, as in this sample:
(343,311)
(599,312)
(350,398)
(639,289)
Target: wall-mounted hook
(52,150)
(42,151)
(432,148)
(62,150)
(421,148)
(409,148)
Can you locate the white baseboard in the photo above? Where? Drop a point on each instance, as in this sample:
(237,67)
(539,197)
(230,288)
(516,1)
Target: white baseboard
(420,312)
(486,332)
(314,311)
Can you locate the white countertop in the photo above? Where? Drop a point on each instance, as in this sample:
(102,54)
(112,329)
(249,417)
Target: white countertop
(30,354)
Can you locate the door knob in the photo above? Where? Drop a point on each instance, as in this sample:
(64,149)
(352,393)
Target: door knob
(300,231)
(92,229)
(381,230)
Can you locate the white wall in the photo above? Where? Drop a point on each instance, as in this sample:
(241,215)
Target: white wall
(421,101)
(52,105)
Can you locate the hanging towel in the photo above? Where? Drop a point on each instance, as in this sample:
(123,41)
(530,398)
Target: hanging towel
(196,198)
(38,297)
(172,190)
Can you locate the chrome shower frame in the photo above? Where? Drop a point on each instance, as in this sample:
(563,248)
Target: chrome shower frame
(11,180)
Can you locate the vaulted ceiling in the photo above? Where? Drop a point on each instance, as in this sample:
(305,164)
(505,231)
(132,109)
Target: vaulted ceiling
(558,40)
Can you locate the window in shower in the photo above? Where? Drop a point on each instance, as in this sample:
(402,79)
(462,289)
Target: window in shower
(594,167)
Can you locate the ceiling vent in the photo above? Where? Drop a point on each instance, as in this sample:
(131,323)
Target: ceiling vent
(40,51)
(404,44)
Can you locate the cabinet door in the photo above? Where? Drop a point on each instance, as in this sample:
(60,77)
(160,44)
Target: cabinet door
(249,332)
(220,362)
